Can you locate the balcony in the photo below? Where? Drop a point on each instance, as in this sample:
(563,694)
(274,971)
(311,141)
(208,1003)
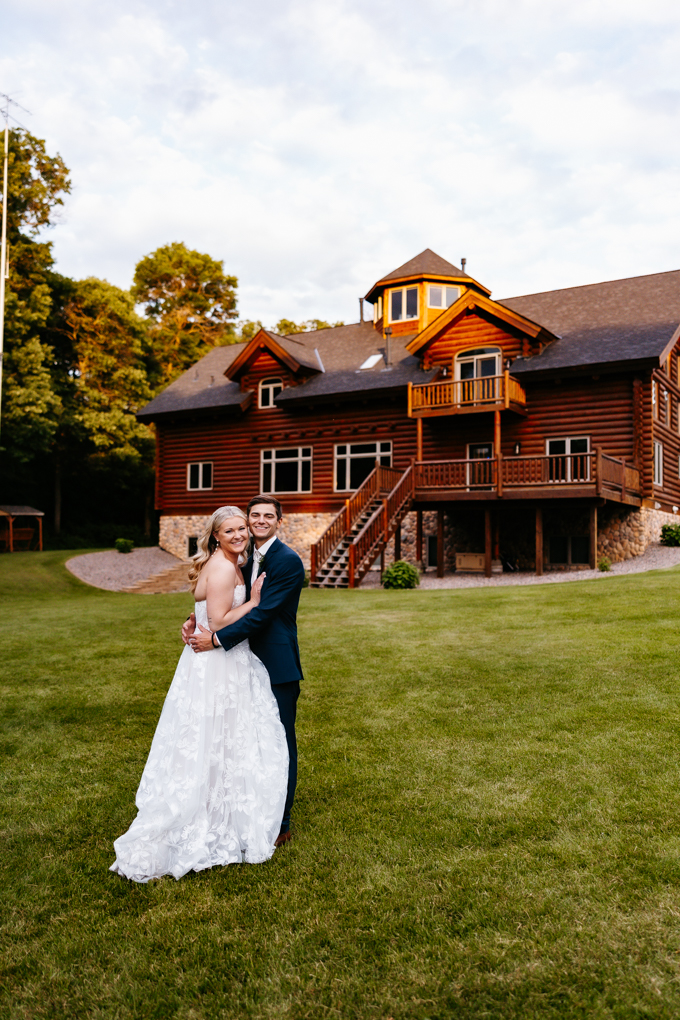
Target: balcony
(551,477)
(466,396)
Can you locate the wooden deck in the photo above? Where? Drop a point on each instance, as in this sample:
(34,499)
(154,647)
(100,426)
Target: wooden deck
(466,396)
(571,476)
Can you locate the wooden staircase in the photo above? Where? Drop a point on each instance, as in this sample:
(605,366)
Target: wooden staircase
(362,529)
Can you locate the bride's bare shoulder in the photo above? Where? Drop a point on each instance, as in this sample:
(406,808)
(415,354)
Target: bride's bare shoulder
(219,567)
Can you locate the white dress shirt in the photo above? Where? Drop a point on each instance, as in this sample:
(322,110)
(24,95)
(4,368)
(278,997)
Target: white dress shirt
(258,555)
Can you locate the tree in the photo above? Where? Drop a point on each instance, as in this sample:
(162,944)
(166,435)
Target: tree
(31,407)
(286,327)
(191,304)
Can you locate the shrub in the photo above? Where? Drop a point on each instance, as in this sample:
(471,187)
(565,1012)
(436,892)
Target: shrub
(401,575)
(604,564)
(124,545)
(670,534)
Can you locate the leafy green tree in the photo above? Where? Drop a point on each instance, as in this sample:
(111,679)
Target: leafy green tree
(191,303)
(30,405)
(286,327)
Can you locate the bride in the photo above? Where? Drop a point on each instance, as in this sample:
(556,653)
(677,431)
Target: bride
(213,788)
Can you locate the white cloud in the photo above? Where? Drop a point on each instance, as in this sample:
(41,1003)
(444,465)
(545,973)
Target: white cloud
(318,145)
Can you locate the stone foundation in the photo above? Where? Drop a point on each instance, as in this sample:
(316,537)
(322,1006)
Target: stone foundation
(297,530)
(627,531)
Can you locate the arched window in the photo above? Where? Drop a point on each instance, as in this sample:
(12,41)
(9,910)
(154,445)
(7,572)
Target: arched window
(269,391)
(480,363)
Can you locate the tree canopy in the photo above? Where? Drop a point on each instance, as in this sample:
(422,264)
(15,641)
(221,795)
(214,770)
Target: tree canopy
(191,303)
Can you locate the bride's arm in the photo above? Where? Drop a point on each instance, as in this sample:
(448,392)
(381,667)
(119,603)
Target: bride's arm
(220,596)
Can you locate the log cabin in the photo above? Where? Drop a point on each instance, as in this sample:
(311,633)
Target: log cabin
(449,428)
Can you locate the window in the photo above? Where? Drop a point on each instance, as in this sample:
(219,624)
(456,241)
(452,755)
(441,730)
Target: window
(432,556)
(479,363)
(569,549)
(480,465)
(192,546)
(658,463)
(200,475)
(355,461)
(569,460)
(404,304)
(269,391)
(288,470)
(371,361)
(442,297)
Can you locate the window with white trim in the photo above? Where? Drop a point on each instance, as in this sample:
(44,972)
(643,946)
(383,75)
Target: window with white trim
(441,297)
(403,304)
(355,461)
(287,470)
(569,460)
(269,391)
(658,463)
(200,475)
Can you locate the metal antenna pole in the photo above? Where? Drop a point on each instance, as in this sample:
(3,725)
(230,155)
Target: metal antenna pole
(3,258)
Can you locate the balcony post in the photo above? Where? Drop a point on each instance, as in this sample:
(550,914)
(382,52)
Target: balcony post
(598,470)
(507,389)
(539,541)
(487,541)
(419,438)
(593,537)
(499,474)
(440,543)
(410,399)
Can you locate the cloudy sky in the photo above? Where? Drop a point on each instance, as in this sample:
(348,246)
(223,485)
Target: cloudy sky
(315,145)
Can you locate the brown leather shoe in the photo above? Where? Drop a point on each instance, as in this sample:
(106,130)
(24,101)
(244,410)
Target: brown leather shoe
(283,838)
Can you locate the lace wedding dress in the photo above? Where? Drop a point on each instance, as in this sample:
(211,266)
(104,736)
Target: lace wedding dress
(214,785)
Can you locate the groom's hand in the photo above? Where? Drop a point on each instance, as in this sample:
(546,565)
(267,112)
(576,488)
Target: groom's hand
(201,640)
(188,628)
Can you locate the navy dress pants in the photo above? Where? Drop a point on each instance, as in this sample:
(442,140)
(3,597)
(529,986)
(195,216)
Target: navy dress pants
(287,696)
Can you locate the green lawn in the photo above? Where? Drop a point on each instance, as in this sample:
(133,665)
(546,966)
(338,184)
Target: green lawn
(487,821)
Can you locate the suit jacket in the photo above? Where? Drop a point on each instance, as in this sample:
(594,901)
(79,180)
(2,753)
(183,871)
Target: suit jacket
(272,626)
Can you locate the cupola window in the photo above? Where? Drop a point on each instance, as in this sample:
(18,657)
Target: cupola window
(442,297)
(404,304)
(269,391)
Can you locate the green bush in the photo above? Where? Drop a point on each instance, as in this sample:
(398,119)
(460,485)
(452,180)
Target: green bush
(604,564)
(401,575)
(670,534)
(124,545)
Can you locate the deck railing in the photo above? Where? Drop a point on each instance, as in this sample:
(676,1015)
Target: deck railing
(381,479)
(466,394)
(605,474)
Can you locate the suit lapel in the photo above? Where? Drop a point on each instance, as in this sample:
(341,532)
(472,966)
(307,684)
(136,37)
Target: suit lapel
(247,572)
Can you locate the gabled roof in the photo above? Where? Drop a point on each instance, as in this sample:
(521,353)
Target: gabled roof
(470,301)
(427,264)
(203,389)
(287,350)
(629,322)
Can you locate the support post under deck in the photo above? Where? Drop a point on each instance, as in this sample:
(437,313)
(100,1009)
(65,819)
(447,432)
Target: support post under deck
(440,543)
(419,438)
(539,540)
(593,537)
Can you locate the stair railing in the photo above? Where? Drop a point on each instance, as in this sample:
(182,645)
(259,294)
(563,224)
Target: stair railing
(343,522)
(379,527)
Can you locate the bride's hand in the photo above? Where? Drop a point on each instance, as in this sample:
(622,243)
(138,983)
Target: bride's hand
(256,590)
(188,628)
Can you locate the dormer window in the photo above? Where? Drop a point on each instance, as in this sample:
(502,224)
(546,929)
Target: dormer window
(269,391)
(442,297)
(403,304)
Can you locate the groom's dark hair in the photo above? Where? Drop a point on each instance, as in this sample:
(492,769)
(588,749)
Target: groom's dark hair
(265,499)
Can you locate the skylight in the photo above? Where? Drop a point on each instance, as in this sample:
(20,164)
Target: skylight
(371,361)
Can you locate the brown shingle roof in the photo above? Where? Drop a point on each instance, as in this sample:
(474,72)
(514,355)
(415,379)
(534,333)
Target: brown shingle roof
(629,320)
(427,262)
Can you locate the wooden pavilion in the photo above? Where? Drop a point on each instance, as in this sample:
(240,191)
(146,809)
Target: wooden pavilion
(15,531)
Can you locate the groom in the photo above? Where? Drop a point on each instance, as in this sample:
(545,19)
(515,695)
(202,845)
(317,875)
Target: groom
(271,626)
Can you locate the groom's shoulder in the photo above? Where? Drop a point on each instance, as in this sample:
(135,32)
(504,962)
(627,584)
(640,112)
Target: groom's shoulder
(291,558)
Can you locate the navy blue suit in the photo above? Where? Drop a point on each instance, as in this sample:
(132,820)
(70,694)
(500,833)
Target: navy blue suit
(272,631)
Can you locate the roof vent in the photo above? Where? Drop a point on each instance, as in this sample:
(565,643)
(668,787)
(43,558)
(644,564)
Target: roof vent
(463,263)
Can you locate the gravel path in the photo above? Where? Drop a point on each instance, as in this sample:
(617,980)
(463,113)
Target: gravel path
(114,571)
(655,557)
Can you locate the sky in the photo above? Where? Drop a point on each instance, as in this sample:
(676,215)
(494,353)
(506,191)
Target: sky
(315,145)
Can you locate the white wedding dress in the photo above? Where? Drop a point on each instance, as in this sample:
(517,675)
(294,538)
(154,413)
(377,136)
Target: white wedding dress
(214,785)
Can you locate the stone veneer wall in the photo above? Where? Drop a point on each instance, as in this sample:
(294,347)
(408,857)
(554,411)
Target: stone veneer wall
(623,532)
(629,531)
(298,531)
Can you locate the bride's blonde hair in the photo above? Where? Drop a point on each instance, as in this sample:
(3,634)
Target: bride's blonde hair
(207,543)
